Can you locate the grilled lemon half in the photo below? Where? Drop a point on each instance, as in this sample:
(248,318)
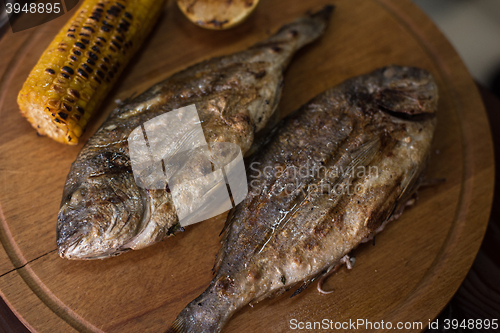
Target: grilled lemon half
(217,14)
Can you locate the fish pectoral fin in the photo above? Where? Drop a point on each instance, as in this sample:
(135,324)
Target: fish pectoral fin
(218,260)
(410,185)
(363,155)
(409,194)
(263,136)
(409,188)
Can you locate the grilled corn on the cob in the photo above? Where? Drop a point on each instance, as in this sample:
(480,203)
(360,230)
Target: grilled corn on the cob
(82,63)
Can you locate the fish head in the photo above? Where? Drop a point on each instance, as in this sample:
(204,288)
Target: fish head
(101,210)
(406,90)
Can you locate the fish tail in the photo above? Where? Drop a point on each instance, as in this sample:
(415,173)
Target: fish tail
(311,26)
(208,313)
(177,326)
(198,319)
(193,320)
(300,32)
(324,13)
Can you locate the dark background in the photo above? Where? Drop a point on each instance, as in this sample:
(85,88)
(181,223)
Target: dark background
(479,295)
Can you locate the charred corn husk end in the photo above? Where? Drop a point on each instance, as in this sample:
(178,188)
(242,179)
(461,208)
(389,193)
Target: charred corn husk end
(82,63)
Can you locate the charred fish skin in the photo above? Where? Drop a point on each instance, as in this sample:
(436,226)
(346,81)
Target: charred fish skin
(293,227)
(103,212)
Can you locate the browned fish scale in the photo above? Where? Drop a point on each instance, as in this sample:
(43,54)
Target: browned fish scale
(103,212)
(330,176)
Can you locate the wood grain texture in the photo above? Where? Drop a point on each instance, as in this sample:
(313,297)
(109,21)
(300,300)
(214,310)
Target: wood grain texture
(478,298)
(410,275)
(479,294)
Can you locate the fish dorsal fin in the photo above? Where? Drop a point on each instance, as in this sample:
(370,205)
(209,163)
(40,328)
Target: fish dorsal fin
(226,230)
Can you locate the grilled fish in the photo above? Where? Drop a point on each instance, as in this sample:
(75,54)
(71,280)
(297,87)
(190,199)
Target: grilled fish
(103,211)
(331,175)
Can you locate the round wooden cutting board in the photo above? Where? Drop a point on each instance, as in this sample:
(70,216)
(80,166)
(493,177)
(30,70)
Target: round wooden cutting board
(413,270)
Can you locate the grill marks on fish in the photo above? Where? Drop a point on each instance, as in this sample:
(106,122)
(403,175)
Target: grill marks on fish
(235,96)
(275,241)
(360,156)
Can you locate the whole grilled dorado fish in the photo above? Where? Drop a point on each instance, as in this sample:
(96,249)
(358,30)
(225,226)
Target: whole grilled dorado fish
(103,211)
(329,177)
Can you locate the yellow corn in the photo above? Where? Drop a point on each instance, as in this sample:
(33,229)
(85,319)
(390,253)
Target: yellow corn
(82,63)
